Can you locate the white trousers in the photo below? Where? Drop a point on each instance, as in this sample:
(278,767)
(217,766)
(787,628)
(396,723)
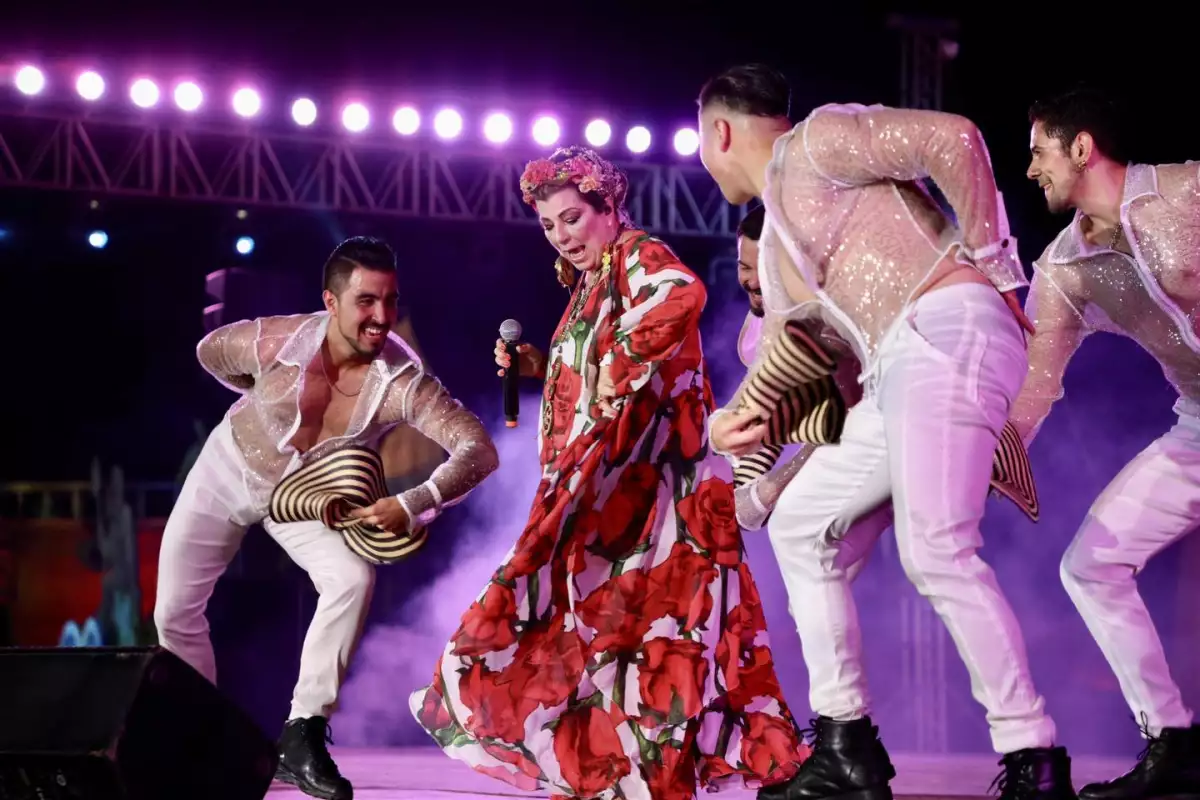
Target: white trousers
(1152,503)
(924,435)
(202,536)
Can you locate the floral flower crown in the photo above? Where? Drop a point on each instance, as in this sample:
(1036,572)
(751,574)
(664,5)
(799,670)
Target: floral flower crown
(582,167)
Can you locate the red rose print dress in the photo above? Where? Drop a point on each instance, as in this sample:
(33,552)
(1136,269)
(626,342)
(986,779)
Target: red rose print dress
(620,651)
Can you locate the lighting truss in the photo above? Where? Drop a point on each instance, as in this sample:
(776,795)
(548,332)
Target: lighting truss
(248,167)
(927,45)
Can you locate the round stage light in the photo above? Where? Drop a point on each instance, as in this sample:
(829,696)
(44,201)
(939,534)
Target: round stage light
(144,93)
(188,96)
(497,128)
(89,85)
(448,123)
(30,80)
(246,102)
(687,141)
(598,133)
(638,139)
(355,117)
(546,131)
(304,112)
(406,121)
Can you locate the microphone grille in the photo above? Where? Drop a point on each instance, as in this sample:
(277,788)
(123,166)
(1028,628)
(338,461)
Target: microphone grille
(510,330)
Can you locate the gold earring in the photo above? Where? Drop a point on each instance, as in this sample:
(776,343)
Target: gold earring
(1081,166)
(565,271)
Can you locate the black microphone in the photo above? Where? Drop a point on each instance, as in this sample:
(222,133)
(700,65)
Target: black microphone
(510,333)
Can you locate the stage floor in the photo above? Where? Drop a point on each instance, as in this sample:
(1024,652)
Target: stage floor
(426,774)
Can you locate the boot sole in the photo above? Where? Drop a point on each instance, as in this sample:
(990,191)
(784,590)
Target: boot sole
(883,792)
(285,775)
(874,793)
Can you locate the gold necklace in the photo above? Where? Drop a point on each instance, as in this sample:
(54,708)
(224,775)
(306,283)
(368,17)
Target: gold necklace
(586,286)
(333,383)
(1115,239)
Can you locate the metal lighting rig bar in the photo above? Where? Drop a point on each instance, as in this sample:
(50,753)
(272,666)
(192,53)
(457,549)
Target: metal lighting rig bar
(926,46)
(249,167)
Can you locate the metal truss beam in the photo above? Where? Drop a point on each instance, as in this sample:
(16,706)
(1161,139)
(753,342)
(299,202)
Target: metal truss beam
(926,45)
(249,168)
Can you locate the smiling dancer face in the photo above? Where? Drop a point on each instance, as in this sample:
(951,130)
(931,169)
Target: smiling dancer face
(361,297)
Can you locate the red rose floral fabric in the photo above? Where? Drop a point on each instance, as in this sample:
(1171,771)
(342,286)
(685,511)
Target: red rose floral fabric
(620,651)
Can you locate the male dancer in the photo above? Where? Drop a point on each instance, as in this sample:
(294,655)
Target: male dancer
(1129,262)
(756,499)
(854,242)
(310,383)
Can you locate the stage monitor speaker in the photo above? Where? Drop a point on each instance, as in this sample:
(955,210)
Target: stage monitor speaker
(116,723)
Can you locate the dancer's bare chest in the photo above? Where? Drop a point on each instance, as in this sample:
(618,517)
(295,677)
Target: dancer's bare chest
(325,412)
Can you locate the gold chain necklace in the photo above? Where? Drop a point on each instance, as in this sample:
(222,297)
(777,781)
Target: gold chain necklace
(1115,239)
(333,383)
(586,287)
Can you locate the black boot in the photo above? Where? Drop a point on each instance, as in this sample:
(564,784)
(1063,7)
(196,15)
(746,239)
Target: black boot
(1169,766)
(1038,773)
(305,763)
(848,762)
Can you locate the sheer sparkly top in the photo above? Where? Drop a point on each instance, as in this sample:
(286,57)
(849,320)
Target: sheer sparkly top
(265,361)
(1151,296)
(847,215)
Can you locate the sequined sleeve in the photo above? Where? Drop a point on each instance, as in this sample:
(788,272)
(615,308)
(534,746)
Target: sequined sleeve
(1060,330)
(664,306)
(854,145)
(230,354)
(420,400)
(755,501)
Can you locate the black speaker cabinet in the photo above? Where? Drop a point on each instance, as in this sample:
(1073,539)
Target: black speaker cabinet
(116,723)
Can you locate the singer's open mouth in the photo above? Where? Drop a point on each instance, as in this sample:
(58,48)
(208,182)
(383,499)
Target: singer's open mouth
(574,252)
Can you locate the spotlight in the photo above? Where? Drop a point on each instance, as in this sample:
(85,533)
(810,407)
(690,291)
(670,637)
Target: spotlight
(188,96)
(687,141)
(30,80)
(304,112)
(598,133)
(89,85)
(448,123)
(246,102)
(144,93)
(406,120)
(545,131)
(244,245)
(497,128)
(98,239)
(638,139)
(356,117)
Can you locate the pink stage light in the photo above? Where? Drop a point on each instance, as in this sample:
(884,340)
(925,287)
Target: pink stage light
(638,139)
(598,133)
(355,117)
(29,80)
(188,96)
(89,85)
(546,131)
(246,102)
(304,112)
(144,93)
(406,121)
(448,123)
(687,141)
(497,128)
